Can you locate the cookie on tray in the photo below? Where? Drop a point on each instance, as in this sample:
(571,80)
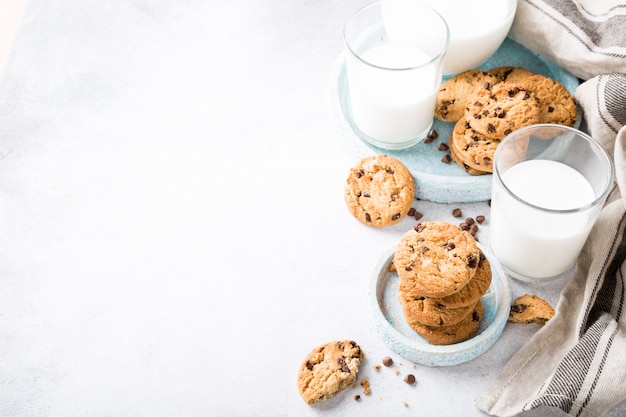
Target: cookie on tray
(448,335)
(511,74)
(466,167)
(379,190)
(473,149)
(454,92)
(436,259)
(530,309)
(556,104)
(329,369)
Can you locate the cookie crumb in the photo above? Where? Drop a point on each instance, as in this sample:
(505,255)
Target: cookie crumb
(365,383)
(357,397)
(530,309)
(397,372)
(377,367)
(404,403)
(392,267)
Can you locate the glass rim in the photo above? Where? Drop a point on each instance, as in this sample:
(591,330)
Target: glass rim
(437,56)
(593,143)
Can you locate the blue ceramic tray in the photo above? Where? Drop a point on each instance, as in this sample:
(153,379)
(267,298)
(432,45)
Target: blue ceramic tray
(403,340)
(434,180)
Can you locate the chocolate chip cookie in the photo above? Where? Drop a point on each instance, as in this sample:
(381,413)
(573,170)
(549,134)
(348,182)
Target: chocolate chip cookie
(448,335)
(472,148)
(379,190)
(530,309)
(453,93)
(329,369)
(556,104)
(436,259)
(496,111)
(429,312)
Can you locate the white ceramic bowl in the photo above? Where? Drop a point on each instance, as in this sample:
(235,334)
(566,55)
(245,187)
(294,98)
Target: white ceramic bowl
(477,28)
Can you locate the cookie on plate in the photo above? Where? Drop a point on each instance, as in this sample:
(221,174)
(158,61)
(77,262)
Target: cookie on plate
(473,149)
(436,259)
(454,92)
(501,109)
(466,167)
(429,312)
(556,104)
(329,369)
(530,309)
(474,290)
(379,190)
(448,335)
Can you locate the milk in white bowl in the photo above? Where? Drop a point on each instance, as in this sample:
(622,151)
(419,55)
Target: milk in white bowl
(477,28)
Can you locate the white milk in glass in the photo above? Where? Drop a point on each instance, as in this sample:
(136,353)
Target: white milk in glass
(477,28)
(532,242)
(394,105)
(10,17)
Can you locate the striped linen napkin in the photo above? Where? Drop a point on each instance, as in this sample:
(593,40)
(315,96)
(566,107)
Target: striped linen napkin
(576,364)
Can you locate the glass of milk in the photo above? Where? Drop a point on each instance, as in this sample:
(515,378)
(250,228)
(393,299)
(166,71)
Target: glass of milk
(549,185)
(10,17)
(393,83)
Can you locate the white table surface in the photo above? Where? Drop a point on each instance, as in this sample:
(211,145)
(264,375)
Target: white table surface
(173,236)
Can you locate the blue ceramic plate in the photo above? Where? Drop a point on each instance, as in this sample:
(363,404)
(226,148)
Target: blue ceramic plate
(434,180)
(403,340)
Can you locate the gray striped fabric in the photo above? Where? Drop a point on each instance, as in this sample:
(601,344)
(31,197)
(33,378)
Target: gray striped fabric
(576,364)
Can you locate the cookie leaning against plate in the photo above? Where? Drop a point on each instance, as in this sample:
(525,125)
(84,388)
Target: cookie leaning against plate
(379,190)
(436,259)
(496,111)
(454,92)
(448,335)
(329,369)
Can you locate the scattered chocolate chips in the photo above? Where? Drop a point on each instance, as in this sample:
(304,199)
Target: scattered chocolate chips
(418,215)
(432,135)
(443,147)
(446,159)
(469,221)
(409,379)
(387,361)
(357,397)
(411,212)
(464,226)
(457,212)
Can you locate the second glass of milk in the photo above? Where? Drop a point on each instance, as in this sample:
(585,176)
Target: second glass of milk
(549,185)
(393,83)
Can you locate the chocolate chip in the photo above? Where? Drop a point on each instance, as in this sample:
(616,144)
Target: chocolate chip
(480,219)
(449,245)
(457,212)
(446,159)
(309,365)
(409,267)
(469,221)
(366,194)
(518,308)
(487,85)
(411,212)
(491,128)
(395,216)
(418,215)
(464,226)
(387,361)
(394,197)
(550,109)
(425,249)
(419,227)
(409,379)
(443,147)
(432,135)
(473,230)
(507,132)
(357,397)
(527,95)
(368,218)
(360,173)
(475,316)
(389,170)
(472,262)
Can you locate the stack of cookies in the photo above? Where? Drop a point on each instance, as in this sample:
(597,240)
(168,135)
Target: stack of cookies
(488,105)
(443,275)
